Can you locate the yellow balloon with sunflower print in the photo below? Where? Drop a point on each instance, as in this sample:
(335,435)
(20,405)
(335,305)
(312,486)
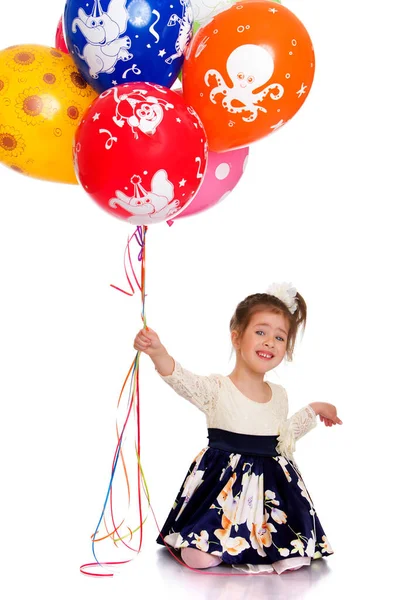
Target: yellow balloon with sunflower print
(42,101)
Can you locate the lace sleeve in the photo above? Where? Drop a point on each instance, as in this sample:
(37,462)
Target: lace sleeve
(303,421)
(202,391)
(295,428)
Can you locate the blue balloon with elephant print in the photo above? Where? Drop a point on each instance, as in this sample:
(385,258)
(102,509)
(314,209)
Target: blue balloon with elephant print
(120,41)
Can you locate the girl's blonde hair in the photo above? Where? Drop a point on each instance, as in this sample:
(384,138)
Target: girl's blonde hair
(256,302)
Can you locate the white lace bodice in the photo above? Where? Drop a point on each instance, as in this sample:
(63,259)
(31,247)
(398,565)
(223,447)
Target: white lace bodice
(227,408)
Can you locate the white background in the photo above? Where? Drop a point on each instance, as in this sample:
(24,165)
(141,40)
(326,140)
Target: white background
(318,206)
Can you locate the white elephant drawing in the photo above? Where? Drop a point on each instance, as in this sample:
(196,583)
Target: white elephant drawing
(102,31)
(157,204)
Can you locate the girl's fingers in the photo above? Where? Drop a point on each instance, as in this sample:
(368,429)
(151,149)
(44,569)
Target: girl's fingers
(144,336)
(329,422)
(140,346)
(144,333)
(143,339)
(149,333)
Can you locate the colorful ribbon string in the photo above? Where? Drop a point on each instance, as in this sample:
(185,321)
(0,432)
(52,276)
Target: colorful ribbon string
(114,532)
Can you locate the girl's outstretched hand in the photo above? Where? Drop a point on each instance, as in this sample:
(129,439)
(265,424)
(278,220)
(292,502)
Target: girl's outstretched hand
(147,341)
(327,413)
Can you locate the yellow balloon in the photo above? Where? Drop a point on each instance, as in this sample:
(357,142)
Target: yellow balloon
(42,101)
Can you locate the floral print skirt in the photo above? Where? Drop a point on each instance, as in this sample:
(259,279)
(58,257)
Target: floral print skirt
(244,506)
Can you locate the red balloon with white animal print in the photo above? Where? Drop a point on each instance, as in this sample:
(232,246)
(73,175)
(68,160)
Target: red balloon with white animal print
(140,152)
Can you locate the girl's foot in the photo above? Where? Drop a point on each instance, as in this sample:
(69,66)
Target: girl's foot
(196,559)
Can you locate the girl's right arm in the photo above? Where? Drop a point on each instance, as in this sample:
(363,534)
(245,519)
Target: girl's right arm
(147,341)
(200,390)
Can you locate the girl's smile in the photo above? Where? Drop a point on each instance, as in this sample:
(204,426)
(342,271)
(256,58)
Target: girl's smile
(265,355)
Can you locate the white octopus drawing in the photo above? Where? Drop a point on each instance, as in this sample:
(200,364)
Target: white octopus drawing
(249,67)
(185,30)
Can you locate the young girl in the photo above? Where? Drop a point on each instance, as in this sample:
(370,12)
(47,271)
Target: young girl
(244,501)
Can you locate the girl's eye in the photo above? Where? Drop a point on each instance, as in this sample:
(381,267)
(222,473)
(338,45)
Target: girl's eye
(259,332)
(279,338)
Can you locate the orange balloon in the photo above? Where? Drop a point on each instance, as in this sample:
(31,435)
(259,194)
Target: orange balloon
(247,72)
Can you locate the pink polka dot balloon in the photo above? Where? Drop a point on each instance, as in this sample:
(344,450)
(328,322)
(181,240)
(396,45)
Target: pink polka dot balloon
(223,172)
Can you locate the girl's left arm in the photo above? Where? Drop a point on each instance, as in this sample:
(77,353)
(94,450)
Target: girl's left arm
(302,422)
(294,428)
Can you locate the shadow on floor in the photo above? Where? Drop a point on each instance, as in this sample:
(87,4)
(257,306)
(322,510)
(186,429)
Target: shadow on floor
(223,583)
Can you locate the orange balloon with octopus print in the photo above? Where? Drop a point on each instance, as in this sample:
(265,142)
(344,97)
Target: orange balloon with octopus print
(42,101)
(247,72)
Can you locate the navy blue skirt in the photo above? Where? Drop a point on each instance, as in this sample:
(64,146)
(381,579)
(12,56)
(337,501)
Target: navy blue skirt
(244,502)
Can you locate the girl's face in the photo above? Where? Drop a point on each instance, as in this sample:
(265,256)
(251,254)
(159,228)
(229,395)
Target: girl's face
(262,345)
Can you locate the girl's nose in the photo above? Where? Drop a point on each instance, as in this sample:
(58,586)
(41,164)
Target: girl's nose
(269,342)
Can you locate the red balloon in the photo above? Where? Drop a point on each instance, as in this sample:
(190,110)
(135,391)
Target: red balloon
(60,40)
(140,152)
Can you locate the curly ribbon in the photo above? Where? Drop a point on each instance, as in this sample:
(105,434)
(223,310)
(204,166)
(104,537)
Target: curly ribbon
(114,533)
(139,237)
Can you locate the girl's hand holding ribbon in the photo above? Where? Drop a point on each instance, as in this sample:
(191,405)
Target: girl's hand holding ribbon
(147,341)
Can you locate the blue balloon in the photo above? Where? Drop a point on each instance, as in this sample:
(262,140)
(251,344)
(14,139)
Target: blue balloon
(118,41)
